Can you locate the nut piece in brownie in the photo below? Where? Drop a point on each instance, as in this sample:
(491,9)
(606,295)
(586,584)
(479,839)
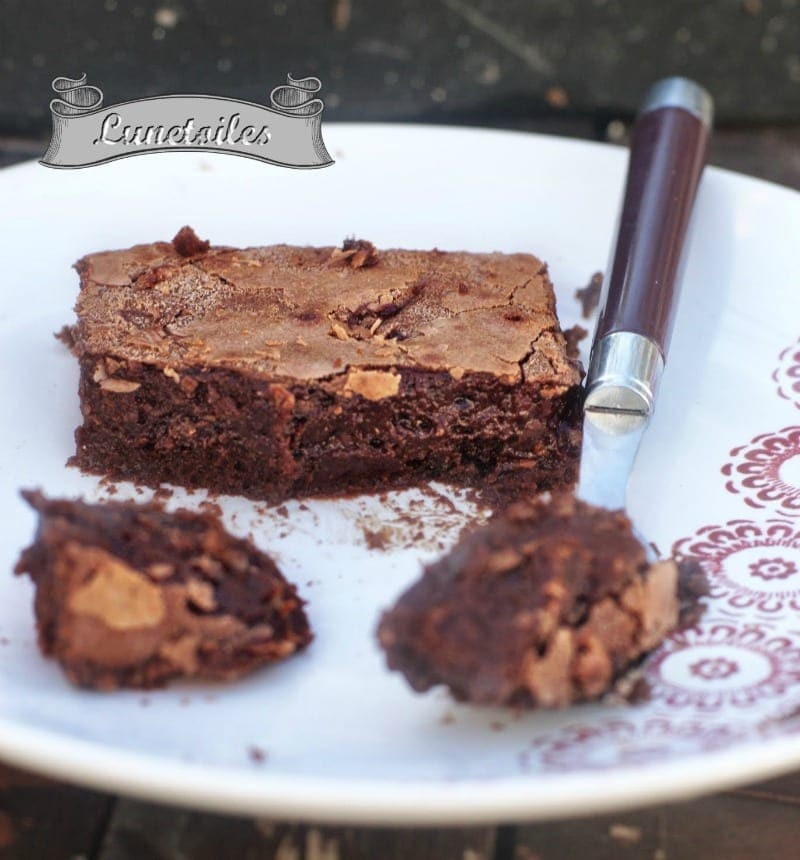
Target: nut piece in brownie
(548,604)
(128,595)
(288,371)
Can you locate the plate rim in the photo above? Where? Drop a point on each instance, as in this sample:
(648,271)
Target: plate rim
(374,802)
(524,797)
(456,128)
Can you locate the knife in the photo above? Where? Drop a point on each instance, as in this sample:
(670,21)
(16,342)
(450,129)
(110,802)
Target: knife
(640,294)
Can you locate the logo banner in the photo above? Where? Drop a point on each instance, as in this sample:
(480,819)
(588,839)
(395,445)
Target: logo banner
(287,133)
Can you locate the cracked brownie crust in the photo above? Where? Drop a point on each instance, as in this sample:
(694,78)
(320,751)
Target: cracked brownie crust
(549,604)
(286,371)
(130,596)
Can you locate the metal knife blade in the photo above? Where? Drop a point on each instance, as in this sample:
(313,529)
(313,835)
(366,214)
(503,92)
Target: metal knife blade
(606,463)
(640,295)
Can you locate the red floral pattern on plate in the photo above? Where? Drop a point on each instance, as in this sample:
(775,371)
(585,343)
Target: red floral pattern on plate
(629,742)
(787,374)
(750,564)
(721,664)
(786,721)
(772,568)
(766,471)
(714,668)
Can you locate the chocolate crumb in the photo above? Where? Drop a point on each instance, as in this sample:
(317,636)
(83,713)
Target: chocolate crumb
(162,494)
(375,539)
(573,336)
(589,296)
(211,508)
(282,511)
(65,335)
(188,244)
(257,754)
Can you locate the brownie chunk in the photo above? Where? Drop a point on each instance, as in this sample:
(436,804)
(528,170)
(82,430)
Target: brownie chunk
(289,371)
(130,596)
(548,604)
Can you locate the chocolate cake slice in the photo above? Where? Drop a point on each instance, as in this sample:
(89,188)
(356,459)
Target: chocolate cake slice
(288,371)
(548,604)
(128,595)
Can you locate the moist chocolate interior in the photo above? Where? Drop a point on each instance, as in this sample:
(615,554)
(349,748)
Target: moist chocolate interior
(285,371)
(277,440)
(144,535)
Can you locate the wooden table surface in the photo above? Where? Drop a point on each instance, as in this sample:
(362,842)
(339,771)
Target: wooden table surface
(52,821)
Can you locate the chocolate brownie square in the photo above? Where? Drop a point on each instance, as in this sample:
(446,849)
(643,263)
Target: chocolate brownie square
(285,371)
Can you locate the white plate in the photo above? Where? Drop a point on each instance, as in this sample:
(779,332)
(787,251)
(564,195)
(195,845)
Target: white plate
(345,739)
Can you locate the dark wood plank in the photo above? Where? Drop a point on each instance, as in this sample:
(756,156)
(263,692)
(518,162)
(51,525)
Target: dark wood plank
(16,149)
(768,152)
(380,60)
(782,789)
(141,831)
(42,820)
(632,836)
(731,828)
(722,827)
(427,844)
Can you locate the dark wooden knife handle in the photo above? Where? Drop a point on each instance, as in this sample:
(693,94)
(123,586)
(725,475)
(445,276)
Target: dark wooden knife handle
(668,152)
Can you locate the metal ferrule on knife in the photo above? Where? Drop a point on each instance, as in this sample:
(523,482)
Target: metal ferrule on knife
(624,372)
